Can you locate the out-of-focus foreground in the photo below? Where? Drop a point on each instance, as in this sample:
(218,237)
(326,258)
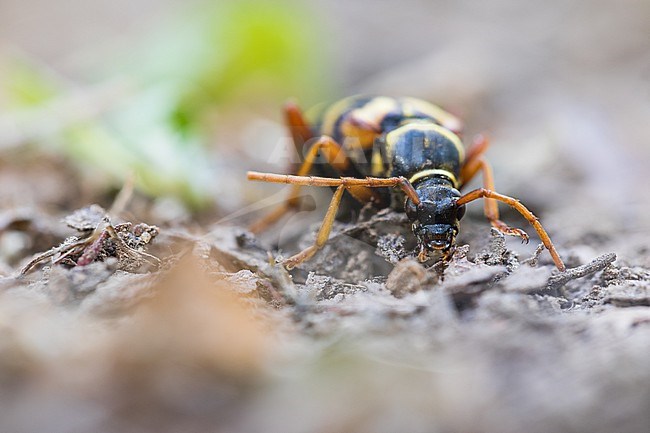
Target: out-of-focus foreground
(191,326)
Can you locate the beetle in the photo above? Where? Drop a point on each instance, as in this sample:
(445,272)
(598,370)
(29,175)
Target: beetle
(400,152)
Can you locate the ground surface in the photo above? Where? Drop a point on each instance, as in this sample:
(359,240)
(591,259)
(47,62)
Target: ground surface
(362,338)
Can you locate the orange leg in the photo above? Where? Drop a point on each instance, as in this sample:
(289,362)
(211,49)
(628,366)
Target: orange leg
(334,156)
(474,153)
(349,183)
(532,219)
(301,133)
(323,232)
(299,129)
(476,161)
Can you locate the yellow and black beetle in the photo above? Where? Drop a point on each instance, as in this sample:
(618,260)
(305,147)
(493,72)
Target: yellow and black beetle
(373,144)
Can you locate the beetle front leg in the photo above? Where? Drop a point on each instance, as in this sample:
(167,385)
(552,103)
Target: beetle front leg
(323,232)
(532,219)
(477,162)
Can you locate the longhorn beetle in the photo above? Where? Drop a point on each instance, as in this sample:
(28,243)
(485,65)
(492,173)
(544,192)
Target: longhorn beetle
(399,152)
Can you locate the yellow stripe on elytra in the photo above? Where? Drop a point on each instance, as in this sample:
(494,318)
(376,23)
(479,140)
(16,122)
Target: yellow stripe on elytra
(376,108)
(445,118)
(332,115)
(433,172)
(372,111)
(377,164)
(393,136)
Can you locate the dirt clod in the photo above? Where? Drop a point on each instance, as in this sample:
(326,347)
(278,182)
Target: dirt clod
(408,276)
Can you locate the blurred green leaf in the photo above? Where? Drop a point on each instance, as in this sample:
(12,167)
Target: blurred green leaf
(222,52)
(23,85)
(216,55)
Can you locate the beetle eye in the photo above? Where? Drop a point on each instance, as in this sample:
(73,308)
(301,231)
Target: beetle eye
(460,212)
(411,209)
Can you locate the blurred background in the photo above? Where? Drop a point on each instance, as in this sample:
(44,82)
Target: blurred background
(187,95)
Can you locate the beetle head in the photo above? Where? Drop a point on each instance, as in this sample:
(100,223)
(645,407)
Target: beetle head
(435,221)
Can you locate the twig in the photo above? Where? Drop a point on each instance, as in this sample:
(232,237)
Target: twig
(123,197)
(597,264)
